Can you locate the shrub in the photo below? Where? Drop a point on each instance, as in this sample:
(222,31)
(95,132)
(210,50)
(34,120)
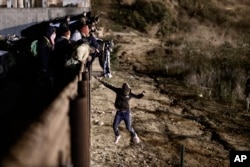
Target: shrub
(141,14)
(221,76)
(153,12)
(204,9)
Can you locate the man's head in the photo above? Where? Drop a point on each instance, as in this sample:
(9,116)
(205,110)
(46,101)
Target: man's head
(64,31)
(85,30)
(126,88)
(67,34)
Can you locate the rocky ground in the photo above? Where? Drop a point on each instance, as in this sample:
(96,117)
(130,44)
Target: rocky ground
(164,122)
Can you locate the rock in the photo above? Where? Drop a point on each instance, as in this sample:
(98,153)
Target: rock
(100,123)
(96,122)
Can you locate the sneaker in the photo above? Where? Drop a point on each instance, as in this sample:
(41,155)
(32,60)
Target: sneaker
(117,138)
(108,75)
(136,139)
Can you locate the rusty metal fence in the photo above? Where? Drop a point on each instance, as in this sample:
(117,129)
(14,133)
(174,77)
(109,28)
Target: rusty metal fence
(61,136)
(80,124)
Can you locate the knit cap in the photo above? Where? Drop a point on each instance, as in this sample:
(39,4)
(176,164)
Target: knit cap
(49,31)
(64,30)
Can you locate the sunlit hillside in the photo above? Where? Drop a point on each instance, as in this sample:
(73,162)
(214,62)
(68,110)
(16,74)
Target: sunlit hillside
(206,42)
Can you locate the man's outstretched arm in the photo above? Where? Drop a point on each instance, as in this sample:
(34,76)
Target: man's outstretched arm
(138,96)
(106,84)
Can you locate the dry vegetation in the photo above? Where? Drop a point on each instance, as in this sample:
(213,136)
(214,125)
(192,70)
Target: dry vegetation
(206,42)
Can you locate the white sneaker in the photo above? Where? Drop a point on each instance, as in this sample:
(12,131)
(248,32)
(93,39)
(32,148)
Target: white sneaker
(117,138)
(108,75)
(136,139)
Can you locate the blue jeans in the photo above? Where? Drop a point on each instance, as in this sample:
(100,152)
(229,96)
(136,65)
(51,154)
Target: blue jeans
(106,65)
(120,116)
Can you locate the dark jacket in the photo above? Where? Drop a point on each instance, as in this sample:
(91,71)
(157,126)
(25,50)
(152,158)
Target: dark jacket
(122,101)
(45,48)
(93,42)
(44,51)
(62,52)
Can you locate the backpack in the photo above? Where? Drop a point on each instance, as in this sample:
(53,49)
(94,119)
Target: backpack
(33,48)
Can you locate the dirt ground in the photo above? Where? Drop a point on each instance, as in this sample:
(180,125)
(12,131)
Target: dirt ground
(164,122)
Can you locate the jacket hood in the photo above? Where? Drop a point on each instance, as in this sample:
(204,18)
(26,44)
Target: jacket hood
(126,87)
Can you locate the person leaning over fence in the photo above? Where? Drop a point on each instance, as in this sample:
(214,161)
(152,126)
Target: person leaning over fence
(76,34)
(64,24)
(45,47)
(82,52)
(89,46)
(123,113)
(94,45)
(62,53)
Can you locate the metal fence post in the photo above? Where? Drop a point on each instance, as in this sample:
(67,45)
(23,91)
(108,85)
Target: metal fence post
(80,125)
(182,156)
(90,76)
(86,77)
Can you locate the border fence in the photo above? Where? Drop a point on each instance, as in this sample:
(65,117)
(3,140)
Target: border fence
(61,136)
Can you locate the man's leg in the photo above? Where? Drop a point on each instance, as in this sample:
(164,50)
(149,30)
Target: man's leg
(106,66)
(108,62)
(128,122)
(117,120)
